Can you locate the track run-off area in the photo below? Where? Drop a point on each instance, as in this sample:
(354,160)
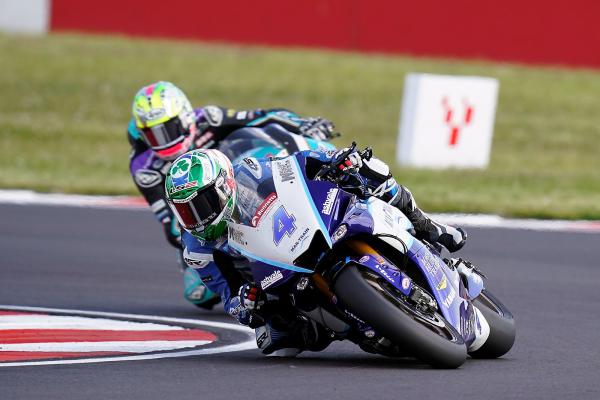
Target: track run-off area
(106,268)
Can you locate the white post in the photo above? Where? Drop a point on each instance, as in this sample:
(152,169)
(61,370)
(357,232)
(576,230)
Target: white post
(25,16)
(447,121)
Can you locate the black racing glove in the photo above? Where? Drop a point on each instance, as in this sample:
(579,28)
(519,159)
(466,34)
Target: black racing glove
(453,239)
(318,129)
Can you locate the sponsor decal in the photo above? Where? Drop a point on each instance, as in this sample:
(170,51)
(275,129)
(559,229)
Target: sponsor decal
(262,209)
(237,236)
(196,263)
(300,240)
(231,112)
(285,170)
(388,216)
(246,197)
(443,283)
(147,178)
(260,340)
(154,113)
(364,259)
(181,168)
(405,283)
(339,233)
(467,325)
(384,272)
(431,264)
(186,185)
(276,276)
(450,298)
(196,260)
(207,220)
(214,115)
(329,201)
(207,278)
(253,166)
(348,313)
(241,115)
(251,163)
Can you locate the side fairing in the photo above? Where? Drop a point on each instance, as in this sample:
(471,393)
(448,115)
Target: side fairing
(449,291)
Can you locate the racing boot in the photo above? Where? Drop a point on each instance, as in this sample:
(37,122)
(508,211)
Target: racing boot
(470,275)
(281,338)
(196,292)
(426,228)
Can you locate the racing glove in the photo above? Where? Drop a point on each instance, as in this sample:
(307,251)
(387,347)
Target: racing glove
(350,163)
(318,129)
(251,297)
(451,238)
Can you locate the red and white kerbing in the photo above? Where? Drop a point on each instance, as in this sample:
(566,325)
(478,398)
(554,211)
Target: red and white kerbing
(36,336)
(49,336)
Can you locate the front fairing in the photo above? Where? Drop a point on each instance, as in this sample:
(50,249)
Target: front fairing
(277,217)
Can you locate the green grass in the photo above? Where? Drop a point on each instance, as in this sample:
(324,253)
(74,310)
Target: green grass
(65,103)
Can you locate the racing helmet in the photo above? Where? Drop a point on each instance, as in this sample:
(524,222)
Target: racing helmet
(201,191)
(165,119)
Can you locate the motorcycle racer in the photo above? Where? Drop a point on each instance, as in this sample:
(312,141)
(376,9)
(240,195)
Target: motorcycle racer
(202,189)
(164,126)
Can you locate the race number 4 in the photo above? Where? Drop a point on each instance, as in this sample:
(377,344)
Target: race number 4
(283,224)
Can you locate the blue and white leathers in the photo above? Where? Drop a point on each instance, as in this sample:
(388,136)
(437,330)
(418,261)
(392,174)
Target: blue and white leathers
(277,225)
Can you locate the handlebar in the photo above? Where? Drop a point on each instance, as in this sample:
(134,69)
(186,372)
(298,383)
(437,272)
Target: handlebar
(365,154)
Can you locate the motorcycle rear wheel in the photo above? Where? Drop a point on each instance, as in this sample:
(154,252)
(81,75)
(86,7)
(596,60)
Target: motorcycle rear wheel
(502,326)
(428,337)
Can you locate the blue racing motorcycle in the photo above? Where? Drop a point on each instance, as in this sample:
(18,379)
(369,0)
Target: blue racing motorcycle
(350,262)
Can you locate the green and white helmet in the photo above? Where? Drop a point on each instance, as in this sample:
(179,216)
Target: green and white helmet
(201,192)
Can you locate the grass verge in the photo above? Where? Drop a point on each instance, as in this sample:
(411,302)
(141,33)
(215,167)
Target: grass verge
(66,101)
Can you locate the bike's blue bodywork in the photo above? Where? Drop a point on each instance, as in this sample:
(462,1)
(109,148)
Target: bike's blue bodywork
(342,215)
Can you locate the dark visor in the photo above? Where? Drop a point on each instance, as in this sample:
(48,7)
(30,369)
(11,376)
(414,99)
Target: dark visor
(165,134)
(202,209)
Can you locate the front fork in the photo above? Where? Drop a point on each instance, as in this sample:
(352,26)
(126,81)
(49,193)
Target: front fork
(342,323)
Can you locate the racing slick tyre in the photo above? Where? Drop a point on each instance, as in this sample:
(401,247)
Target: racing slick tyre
(502,326)
(427,336)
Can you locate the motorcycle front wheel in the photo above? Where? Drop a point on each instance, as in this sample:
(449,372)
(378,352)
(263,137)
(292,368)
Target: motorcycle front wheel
(425,335)
(502,326)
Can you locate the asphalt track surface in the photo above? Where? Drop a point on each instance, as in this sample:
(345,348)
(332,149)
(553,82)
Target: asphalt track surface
(116,260)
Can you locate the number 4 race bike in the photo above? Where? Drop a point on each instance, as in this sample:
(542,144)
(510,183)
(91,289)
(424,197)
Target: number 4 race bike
(351,263)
